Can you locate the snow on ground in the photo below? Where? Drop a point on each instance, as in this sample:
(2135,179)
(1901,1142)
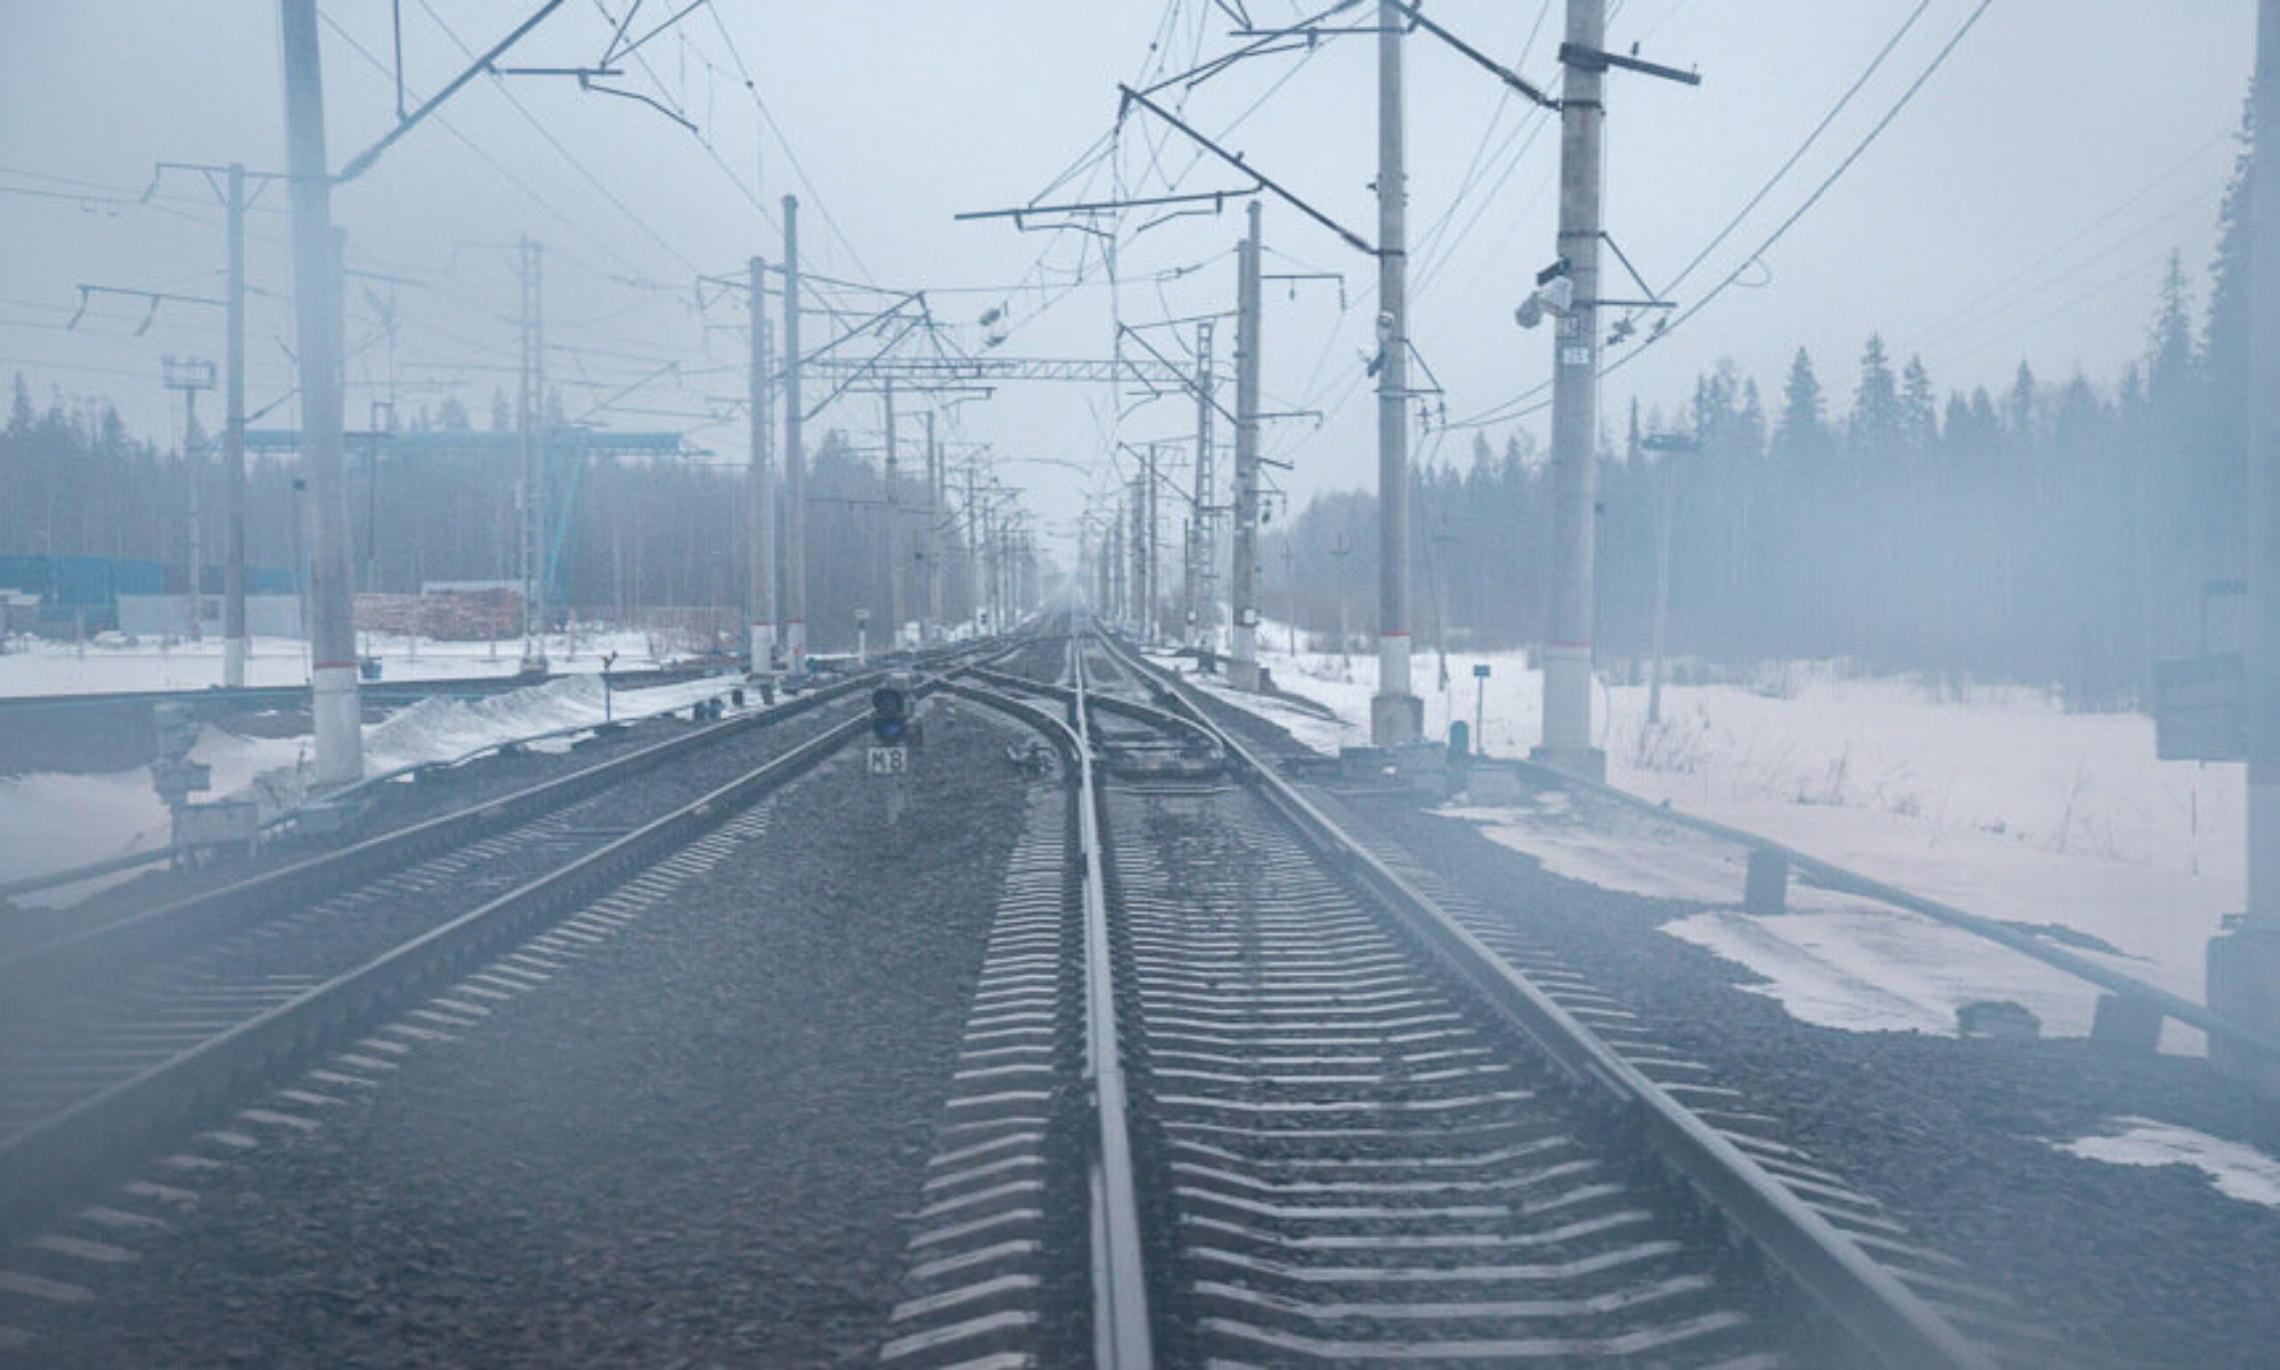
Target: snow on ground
(52,822)
(2238,1171)
(1614,848)
(1833,959)
(1869,969)
(34,666)
(1994,799)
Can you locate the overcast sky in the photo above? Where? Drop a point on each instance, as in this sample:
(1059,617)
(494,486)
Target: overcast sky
(2020,206)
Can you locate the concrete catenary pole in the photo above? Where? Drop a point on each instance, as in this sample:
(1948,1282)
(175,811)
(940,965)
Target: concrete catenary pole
(795,455)
(1662,588)
(933,544)
(1243,667)
(190,377)
(2264,488)
(532,426)
(760,505)
(335,710)
(2244,966)
(1153,480)
(1575,414)
(1137,596)
(973,550)
(894,527)
(1203,549)
(1396,714)
(236,637)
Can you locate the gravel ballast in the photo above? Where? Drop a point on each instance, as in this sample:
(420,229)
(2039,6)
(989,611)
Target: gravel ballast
(695,1144)
(2127,1265)
(2131,1265)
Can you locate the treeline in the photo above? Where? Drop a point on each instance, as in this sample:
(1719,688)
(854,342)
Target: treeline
(643,533)
(2067,533)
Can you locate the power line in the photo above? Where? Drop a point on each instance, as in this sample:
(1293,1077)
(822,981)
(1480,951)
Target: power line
(1939,60)
(1946,325)
(488,160)
(1510,409)
(499,83)
(1802,148)
(752,88)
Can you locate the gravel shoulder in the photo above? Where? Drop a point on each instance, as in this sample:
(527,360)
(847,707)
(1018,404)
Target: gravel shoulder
(695,1144)
(2130,1265)
(394,806)
(2137,1266)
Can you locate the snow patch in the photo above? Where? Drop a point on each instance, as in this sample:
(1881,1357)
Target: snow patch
(2237,1170)
(1870,969)
(54,822)
(1993,799)
(36,666)
(1638,856)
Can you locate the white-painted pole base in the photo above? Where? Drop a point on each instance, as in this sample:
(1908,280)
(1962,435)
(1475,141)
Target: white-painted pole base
(795,646)
(2264,846)
(1397,716)
(234,652)
(1567,713)
(339,726)
(1243,661)
(762,645)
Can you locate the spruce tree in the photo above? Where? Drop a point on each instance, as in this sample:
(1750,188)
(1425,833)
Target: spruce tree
(1801,435)
(1876,405)
(1919,410)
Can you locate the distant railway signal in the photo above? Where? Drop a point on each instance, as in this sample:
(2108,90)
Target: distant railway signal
(890,715)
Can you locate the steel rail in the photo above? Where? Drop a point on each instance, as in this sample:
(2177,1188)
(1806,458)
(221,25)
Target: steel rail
(60,1152)
(1142,713)
(411,691)
(1123,1338)
(74,875)
(1869,1301)
(100,950)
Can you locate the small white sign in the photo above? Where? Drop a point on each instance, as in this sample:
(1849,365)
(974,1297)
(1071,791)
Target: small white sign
(889,760)
(1575,356)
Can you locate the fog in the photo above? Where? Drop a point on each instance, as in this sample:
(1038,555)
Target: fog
(2020,207)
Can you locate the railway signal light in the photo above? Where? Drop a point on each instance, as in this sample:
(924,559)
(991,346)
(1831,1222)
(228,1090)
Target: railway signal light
(890,715)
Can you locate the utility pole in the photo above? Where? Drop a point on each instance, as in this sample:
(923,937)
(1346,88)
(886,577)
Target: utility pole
(795,456)
(1575,409)
(1290,596)
(1339,551)
(1243,666)
(1139,590)
(1662,588)
(894,530)
(973,551)
(1396,714)
(760,506)
(990,566)
(236,638)
(2244,966)
(1203,550)
(317,329)
(2264,500)
(533,428)
(189,377)
(1116,569)
(934,503)
(1150,630)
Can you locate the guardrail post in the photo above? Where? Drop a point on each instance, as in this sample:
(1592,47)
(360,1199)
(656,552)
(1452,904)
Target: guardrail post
(1766,891)
(2126,1026)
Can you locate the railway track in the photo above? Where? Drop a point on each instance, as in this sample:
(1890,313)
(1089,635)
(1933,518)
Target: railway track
(114,1034)
(1326,1121)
